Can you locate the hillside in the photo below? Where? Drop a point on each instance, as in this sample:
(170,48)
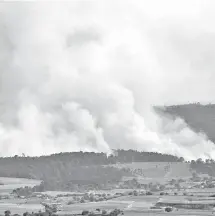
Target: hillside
(54,165)
(201,118)
(64,171)
(67,171)
(158,171)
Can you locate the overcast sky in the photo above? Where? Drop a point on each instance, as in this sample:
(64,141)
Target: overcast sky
(86,73)
(166,46)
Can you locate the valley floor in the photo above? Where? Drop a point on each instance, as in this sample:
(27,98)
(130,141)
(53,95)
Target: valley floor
(133,202)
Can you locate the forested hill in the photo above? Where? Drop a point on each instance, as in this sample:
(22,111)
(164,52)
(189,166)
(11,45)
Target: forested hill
(201,118)
(40,167)
(64,165)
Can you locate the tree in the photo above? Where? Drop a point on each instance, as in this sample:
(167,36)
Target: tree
(172,182)
(85,212)
(162,187)
(195,175)
(7,213)
(207,161)
(177,185)
(135,193)
(104,212)
(168,209)
(82,201)
(193,162)
(92,198)
(181,159)
(199,161)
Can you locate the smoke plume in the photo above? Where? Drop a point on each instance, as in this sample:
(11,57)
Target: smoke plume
(84,75)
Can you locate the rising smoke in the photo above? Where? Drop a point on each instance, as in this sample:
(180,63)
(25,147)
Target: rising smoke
(84,75)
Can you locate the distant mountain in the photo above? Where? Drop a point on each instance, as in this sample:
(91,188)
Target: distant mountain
(201,118)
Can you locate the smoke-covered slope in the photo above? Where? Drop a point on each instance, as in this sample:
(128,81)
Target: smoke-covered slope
(200,118)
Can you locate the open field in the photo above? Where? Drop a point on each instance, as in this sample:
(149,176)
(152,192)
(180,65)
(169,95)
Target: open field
(154,171)
(131,205)
(93,206)
(20,209)
(16,205)
(56,193)
(179,212)
(157,171)
(21,181)
(167,183)
(9,184)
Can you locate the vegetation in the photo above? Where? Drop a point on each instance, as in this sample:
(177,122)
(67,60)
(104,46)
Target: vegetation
(168,209)
(77,170)
(207,167)
(52,212)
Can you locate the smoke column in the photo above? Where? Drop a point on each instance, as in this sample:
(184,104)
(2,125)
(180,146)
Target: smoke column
(84,75)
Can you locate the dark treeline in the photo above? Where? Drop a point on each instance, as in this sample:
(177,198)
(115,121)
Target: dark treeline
(204,167)
(92,158)
(128,156)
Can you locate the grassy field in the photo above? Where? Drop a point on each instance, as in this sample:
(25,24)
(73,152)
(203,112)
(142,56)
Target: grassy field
(20,209)
(15,205)
(78,208)
(9,184)
(21,181)
(158,171)
(141,205)
(158,212)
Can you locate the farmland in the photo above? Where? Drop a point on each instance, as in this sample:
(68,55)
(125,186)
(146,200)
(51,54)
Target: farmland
(124,199)
(71,183)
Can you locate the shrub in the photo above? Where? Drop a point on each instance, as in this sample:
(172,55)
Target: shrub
(70,202)
(135,193)
(82,201)
(7,213)
(85,212)
(168,209)
(104,212)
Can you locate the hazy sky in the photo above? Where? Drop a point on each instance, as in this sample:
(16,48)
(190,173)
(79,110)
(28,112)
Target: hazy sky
(84,74)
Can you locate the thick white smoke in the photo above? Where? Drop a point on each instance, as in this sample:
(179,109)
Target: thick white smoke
(83,75)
